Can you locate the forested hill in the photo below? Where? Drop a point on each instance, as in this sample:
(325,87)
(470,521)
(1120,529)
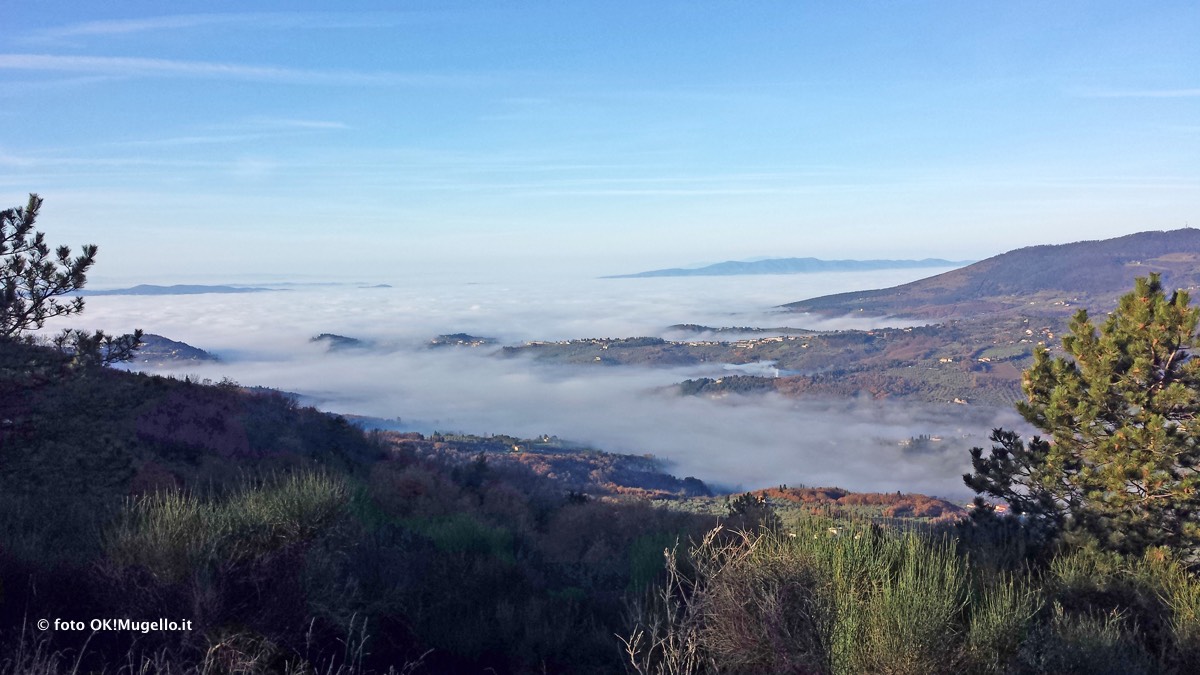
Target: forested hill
(1037,280)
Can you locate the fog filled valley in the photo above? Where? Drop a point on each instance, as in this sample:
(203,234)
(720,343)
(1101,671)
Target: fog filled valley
(738,442)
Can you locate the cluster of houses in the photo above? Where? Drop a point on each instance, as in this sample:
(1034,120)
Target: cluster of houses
(744,344)
(603,343)
(757,342)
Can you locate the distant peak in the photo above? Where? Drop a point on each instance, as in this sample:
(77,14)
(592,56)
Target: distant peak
(790,266)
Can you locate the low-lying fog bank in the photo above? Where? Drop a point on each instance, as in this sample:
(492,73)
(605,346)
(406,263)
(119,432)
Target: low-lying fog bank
(751,442)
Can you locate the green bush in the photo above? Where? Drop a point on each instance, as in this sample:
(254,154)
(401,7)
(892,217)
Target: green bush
(1084,644)
(1002,609)
(460,533)
(1181,592)
(646,558)
(174,534)
(822,598)
(914,614)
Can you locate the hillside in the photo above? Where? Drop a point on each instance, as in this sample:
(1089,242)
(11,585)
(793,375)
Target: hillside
(281,532)
(788,266)
(334,342)
(134,433)
(977,361)
(1043,281)
(581,470)
(157,350)
(101,432)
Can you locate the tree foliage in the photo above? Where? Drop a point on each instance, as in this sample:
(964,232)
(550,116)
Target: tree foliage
(33,282)
(97,348)
(1119,463)
(33,279)
(753,510)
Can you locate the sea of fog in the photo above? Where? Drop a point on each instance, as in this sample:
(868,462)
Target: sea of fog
(734,442)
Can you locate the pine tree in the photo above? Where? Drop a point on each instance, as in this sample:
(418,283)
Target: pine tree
(32,278)
(1120,461)
(33,282)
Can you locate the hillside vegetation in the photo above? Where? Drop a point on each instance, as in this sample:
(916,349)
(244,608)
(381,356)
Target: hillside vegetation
(293,540)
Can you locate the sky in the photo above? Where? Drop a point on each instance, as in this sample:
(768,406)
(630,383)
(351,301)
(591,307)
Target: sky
(226,141)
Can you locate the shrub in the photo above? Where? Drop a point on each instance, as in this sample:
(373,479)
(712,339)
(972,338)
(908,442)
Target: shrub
(174,534)
(1181,592)
(1002,611)
(1084,644)
(823,598)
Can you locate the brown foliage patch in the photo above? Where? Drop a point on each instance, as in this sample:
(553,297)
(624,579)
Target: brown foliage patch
(896,505)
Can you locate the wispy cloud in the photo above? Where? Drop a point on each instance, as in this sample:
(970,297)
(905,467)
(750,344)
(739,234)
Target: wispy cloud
(279,20)
(1139,93)
(48,83)
(16,161)
(144,67)
(252,129)
(299,124)
(197,139)
(124,26)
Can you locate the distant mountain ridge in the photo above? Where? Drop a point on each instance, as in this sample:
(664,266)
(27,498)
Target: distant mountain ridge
(1047,280)
(178,289)
(789,266)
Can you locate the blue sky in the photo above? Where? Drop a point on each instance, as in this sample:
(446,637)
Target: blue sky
(227,140)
